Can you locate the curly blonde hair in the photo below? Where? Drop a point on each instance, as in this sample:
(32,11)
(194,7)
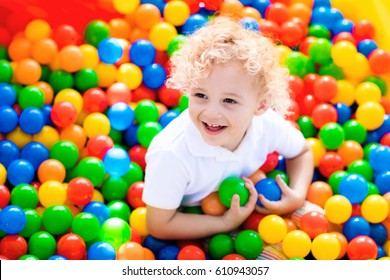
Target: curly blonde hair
(222,40)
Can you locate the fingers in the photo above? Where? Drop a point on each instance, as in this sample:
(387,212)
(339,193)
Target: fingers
(282,184)
(270,205)
(235,204)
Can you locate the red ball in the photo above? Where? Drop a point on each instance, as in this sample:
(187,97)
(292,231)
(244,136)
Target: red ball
(309,81)
(169,96)
(71,246)
(191,252)
(330,162)
(135,236)
(296,86)
(277,12)
(362,248)
(80,191)
(314,223)
(305,44)
(13,246)
(363,29)
(134,195)
(65,35)
(271,162)
(307,104)
(379,61)
(323,113)
(294,111)
(344,36)
(4,196)
(325,88)
(98,145)
(233,257)
(63,114)
(95,100)
(385,140)
(291,33)
(252,222)
(137,154)
(270,29)
(143,92)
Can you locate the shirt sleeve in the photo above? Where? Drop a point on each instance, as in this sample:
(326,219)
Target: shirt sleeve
(165,180)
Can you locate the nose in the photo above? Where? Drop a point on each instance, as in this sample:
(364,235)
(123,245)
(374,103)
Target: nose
(212,111)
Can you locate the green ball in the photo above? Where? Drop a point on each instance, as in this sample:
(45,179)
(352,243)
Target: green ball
(368,148)
(85,79)
(362,167)
(298,64)
(319,31)
(334,180)
(31,96)
(175,44)
(272,174)
(60,79)
(45,75)
(146,111)
(114,188)
(372,189)
(57,219)
(28,257)
(354,130)
(307,127)
(91,168)
(119,209)
(381,83)
(183,103)
(24,196)
(3,53)
(66,152)
(115,135)
(135,174)
(147,131)
(248,244)
(33,224)
(6,72)
(221,245)
(42,245)
(115,231)
(231,186)
(333,70)
(332,135)
(95,32)
(320,51)
(86,225)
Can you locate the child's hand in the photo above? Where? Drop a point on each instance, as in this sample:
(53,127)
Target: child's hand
(236,215)
(290,200)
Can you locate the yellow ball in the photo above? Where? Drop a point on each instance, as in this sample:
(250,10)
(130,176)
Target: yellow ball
(176,12)
(370,115)
(325,246)
(284,52)
(96,124)
(338,209)
(358,69)
(37,29)
(129,74)
(272,229)
(106,74)
(3,174)
(97,196)
(19,137)
(72,96)
(90,56)
(48,136)
(161,34)
(138,221)
(317,148)
(125,6)
(343,53)
(367,91)
(52,192)
(296,244)
(345,93)
(375,208)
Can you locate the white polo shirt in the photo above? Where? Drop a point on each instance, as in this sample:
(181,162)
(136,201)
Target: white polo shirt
(181,169)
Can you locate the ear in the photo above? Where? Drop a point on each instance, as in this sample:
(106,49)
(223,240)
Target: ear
(262,107)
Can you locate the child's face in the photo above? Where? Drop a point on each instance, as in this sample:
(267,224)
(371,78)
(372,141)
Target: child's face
(224,104)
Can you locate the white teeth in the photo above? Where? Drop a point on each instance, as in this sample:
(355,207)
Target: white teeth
(213,125)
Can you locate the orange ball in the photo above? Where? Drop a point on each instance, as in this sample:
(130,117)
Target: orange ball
(44,51)
(51,169)
(119,28)
(71,58)
(350,151)
(251,12)
(211,205)
(257,176)
(74,133)
(319,192)
(387,197)
(146,16)
(343,243)
(300,10)
(232,8)
(19,48)
(148,255)
(290,224)
(47,91)
(131,251)
(28,71)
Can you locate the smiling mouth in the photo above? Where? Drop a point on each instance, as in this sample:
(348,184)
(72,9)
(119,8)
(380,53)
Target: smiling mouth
(213,128)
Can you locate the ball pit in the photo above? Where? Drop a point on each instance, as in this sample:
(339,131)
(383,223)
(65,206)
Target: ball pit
(82,99)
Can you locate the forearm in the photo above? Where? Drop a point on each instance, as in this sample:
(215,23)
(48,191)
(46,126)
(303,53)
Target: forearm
(300,171)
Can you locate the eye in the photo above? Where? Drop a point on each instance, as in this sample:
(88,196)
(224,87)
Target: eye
(200,95)
(229,101)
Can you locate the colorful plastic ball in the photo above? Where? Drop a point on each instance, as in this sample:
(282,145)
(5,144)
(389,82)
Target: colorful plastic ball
(20,171)
(169,252)
(379,61)
(366,46)
(63,114)
(176,12)
(28,71)
(350,151)
(269,189)
(314,223)
(57,219)
(375,208)
(85,79)
(29,257)
(121,116)
(142,53)
(110,50)
(147,131)
(42,245)
(354,130)
(175,44)
(138,220)
(233,257)
(13,246)
(119,209)
(370,114)
(116,162)
(167,117)
(31,96)
(344,113)
(272,229)
(248,244)
(329,163)
(12,219)
(101,251)
(98,145)
(191,252)
(66,152)
(332,135)
(95,32)
(155,244)
(317,148)
(114,188)
(221,245)
(125,7)
(98,209)
(33,223)
(95,100)
(57,258)
(146,111)
(193,22)
(5,195)
(65,35)
(10,119)
(322,114)
(115,231)
(86,225)
(233,186)
(354,187)
(70,58)
(51,169)
(362,248)
(8,94)
(71,246)
(51,193)
(35,153)
(154,76)
(325,246)
(130,251)
(161,34)
(6,69)
(306,126)
(356,226)
(134,195)
(338,209)
(91,168)
(80,191)
(379,158)
(60,79)
(212,205)
(95,124)
(319,192)
(24,196)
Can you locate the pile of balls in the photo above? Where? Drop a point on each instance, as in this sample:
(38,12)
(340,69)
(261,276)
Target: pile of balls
(78,112)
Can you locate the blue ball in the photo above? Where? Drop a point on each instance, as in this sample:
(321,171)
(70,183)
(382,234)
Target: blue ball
(168,116)
(116,162)
(142,53)
(8,152)
(269,188)
(169,252)
(46,110)
(160,4)
(99,209)
(154,76)
(131,135)
(379,159)
(121,116)
(378,233)
(32,120)
(366,46)
(193,23)
(344,113)
(8,95)
(261,6)
(57,258)
(110,50)
(249,23)
(9,119)
(20,171)
(382,181)
(344,25)
(101,251)
(35,153)
(356,226)
(281,164)
(12,219)
(384,128)
(321,3)
(154,244)
(354,187)
(381,252)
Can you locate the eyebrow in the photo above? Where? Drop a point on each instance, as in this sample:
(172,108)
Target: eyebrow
(230,94)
